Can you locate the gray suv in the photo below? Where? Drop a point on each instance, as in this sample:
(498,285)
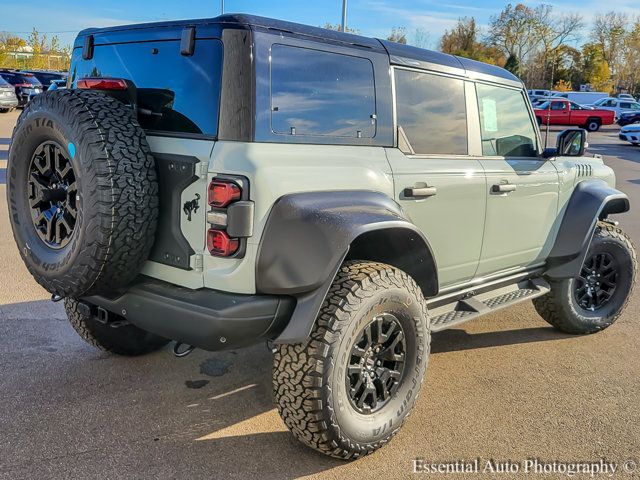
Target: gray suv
(238,180)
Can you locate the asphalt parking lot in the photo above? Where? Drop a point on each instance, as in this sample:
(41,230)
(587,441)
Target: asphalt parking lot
(506,387)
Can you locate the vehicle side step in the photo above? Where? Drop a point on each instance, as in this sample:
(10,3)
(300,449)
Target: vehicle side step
(473,305)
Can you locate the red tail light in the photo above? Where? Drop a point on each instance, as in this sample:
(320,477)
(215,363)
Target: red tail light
(102,84)
(223,193)
(219,243)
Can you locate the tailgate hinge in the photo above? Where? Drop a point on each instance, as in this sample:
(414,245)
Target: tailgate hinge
(198,262)
(203,169)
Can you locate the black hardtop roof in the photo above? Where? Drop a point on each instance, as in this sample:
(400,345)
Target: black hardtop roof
(399,54)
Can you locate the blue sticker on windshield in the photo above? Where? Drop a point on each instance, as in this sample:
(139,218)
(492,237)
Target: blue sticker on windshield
(72,150)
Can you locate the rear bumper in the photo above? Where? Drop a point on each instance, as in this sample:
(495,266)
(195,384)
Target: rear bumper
(10,102)
(205,318)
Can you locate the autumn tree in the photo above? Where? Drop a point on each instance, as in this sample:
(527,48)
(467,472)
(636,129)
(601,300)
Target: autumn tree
(338,28)
(398,35)
(532,36)
(563,86)
(464,40)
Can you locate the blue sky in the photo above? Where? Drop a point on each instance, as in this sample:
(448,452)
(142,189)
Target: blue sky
(372,18)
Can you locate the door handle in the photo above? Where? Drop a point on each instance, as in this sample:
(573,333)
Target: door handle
(423,192)
(503,188)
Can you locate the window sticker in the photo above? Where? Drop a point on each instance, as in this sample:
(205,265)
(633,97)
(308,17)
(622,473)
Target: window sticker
(489,115)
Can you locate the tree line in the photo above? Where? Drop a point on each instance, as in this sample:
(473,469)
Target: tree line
(36,52)
(549,50)
(546,49)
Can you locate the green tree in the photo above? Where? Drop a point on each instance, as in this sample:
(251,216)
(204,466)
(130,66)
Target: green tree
(513,64)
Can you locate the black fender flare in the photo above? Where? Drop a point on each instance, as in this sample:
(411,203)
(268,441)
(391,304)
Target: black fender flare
(591,200)
(306,238)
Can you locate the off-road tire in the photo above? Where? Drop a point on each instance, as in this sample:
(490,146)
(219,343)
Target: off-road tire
(127,339)
(117,200)
(560,307)
(309,379)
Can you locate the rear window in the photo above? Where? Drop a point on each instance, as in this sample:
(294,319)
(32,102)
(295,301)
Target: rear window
(321,93)
(175,93)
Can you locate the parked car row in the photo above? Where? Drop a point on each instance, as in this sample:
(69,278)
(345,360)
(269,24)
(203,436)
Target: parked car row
(17,87)
(8,99)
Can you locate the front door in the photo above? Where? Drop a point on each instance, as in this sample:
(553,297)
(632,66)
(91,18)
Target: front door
(522,187)
(436,182)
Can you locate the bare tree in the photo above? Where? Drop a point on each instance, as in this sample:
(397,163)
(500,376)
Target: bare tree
(610,32)
(421,38)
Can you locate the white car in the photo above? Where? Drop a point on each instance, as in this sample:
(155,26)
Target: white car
(618,105)
(626,96)
(631,133)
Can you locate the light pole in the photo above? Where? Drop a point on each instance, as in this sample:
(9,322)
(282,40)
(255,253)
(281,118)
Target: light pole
(344,15)
(221,7)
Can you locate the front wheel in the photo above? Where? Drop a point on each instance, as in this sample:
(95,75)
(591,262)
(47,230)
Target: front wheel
(348,390)
(596,298)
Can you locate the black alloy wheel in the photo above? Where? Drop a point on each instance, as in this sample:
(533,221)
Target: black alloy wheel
(377,363)
(597,281)
(53,194)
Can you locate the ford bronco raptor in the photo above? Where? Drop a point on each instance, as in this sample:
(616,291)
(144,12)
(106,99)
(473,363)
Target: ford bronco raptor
(235,180)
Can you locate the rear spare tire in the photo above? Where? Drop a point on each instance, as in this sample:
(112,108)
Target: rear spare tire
(82,192)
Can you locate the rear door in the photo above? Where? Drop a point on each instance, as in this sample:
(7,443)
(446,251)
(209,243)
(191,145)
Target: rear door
(436,181)
(522,187)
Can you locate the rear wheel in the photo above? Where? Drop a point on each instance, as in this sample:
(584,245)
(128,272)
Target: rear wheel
(348,390)
(118,337)
(597,297)
(593,125)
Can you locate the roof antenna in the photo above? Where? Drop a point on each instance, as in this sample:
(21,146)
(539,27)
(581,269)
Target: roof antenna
(344,15)
(553,71)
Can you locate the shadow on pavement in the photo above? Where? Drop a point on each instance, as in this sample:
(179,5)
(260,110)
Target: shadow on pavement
(457,340)
(209,412)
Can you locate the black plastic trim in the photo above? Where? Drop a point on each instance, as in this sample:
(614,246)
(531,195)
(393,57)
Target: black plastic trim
(87,49)
(308,235)
(236,120)
(204,318)
(188,41)
(175,173)
(591,200)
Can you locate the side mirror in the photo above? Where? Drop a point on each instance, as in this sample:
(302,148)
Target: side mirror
(571,143)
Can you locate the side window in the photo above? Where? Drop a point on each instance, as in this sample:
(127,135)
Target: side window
(431,110)
(575,106)
(625,105)
(505,123)
(321,93)
(557,105)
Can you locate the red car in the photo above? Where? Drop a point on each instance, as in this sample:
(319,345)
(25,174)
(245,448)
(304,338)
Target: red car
(564,112)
